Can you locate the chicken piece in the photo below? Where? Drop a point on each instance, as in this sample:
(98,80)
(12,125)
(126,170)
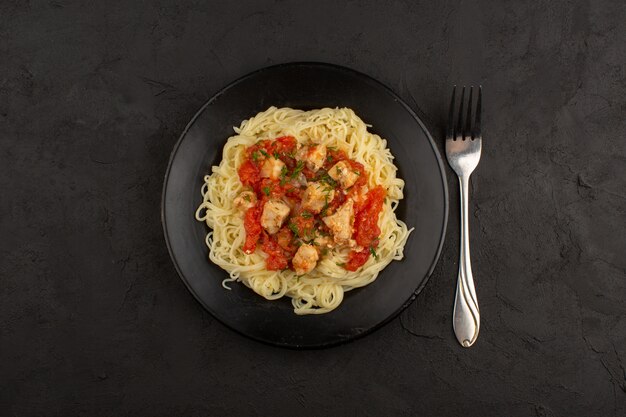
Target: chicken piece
(305,259)
(353,245)
(323,242)
(272,168)
(244,201)
(314,156)
(299,181)
(359,195)
(316,196)
(274,214)
(343,173)
(340,223)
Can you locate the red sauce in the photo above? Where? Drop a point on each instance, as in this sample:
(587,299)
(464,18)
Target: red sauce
(252,224)
(277,259)
(267,188)
(366,230)
(356,260)
(249,173)
(332,157)
(301,224)
(308,174)
(284,145)
(284,238)
(284,148)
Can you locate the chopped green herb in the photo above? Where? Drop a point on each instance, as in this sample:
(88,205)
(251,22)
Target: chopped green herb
(306,215)
(373,252)
(283,175)
(298,169)
(255,156)
(266,190)
(324,251)
(294,229)
(325,178)
(342,264)
(264,153)
(329,158)
(325,208)
(246,197)
(332,148)
(276,155)
(357,172)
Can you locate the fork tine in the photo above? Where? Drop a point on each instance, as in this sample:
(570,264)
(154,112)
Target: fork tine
(459,129)
(467,134)
(450,127)
(476,134)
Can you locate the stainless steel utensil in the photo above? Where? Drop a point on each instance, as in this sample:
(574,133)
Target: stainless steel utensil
(463,147)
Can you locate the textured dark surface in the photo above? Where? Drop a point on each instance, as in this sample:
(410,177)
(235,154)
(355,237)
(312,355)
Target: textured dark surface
(93,318)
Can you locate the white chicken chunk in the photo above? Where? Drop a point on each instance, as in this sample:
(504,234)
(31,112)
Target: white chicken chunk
(354,246)
(323,242)
(271,168)
(340,223)
(316,196)
(305,259)
(313,156)
(360,194)
(274,214)
(343,173)
(244,201)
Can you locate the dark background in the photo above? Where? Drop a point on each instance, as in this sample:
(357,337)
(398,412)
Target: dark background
(94,320)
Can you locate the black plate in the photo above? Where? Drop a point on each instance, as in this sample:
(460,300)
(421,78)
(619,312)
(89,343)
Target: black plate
(306,86)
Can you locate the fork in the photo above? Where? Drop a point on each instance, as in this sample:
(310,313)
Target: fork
(463,147)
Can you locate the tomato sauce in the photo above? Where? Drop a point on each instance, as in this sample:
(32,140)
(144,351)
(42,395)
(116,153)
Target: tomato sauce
(252,225)
(332,157)
(356,260)
(366,230)
(249,173)
(277,259)
(284,238)
(301,225)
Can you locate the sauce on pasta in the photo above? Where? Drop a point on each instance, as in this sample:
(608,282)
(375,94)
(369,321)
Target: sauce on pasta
(310,180)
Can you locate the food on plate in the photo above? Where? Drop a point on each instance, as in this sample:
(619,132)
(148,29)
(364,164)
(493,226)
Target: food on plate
(303,205)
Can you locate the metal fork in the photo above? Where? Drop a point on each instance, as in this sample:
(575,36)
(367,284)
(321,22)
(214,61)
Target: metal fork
(463,148)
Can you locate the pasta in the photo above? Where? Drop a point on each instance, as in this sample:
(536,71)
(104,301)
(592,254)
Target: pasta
(319,290)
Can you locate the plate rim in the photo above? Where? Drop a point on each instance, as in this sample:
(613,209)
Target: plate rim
(388,90)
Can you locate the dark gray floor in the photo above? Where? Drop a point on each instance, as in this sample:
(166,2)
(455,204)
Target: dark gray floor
(93,318)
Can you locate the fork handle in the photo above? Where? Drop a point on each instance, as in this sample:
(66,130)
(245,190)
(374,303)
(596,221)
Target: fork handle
(466,321)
